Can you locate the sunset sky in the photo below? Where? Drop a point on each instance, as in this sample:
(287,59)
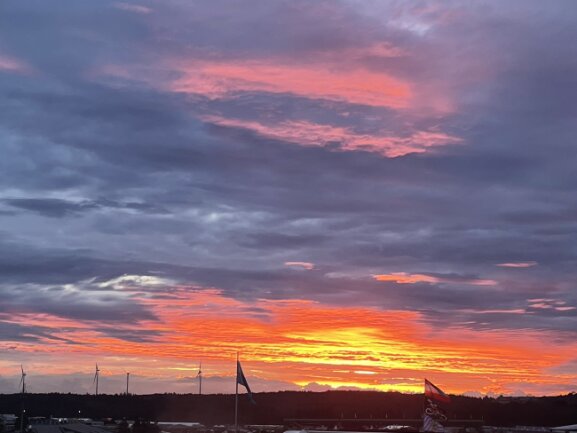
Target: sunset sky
(354,194)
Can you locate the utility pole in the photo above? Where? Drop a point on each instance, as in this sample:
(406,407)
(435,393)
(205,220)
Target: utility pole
(22,420)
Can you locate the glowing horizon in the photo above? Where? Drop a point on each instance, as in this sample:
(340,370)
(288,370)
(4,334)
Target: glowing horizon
(300,343)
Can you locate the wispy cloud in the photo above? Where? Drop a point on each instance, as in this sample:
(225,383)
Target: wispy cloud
(133,7)
(305,265)
(305,133)
(406,278)
(11,64)
(517,264)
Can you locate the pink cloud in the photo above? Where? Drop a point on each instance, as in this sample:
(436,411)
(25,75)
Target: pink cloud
(565,308)
(11,64)
(313,134)
(305,265)
(549,304)
(496,311)
(317,80)
(517,264)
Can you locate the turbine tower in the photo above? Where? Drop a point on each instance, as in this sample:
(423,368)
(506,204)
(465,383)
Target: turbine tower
(23,379)
(96,375)
(127,379)
(23,384)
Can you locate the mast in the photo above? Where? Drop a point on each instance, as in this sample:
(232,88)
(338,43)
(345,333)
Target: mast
(200,379)
(236,398)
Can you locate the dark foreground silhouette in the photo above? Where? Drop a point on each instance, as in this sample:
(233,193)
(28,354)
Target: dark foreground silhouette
(275,408)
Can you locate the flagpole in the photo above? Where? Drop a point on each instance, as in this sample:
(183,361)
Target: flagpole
(424,404)
(236,398)
(200,379)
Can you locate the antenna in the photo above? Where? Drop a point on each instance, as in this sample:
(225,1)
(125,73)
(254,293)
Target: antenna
(199,378)
(96,375)
(23,379)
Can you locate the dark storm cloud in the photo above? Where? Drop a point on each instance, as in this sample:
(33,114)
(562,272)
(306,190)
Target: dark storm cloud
(134,181)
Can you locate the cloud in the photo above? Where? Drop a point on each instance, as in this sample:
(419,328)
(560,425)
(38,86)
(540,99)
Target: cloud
(404,278)
(151,156)
(130,7)
(517,264)
(285,349)
(217,79)
(550,304)
(10,64)
(308,134)
(58,208)
(305,265)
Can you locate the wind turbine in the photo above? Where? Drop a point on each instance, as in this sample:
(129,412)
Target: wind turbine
(199,378)
(23,379)
(127,379)
(95,381)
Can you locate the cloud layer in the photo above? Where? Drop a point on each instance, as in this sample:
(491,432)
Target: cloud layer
(359,186)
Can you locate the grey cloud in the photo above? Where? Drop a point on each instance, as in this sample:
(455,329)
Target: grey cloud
(50,207)
(57,208)
(22,333)
(158,190)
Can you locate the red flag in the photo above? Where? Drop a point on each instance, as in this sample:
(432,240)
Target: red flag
(435,393)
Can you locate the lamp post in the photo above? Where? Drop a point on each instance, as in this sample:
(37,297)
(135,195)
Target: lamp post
(22,420)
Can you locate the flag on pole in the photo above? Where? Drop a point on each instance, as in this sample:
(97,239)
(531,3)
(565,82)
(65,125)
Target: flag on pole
(435,393)
(434,415)
(241,380)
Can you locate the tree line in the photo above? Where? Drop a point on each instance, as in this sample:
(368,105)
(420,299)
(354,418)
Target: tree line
(276,407)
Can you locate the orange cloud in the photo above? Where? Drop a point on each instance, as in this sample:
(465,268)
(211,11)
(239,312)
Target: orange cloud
(314,134)
(405,278)
(304,342)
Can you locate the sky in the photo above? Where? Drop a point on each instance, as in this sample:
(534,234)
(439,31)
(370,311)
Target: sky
(352,194)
